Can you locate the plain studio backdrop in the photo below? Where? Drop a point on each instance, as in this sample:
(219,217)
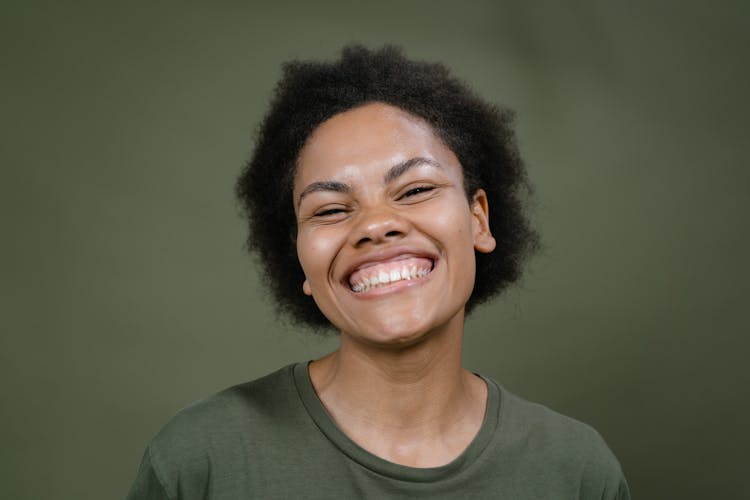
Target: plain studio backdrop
(127,292)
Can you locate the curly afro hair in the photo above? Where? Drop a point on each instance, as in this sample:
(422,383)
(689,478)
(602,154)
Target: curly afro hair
(309,93)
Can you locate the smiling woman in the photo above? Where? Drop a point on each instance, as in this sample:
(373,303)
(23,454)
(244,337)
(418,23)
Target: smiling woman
(399,204)
(385,201)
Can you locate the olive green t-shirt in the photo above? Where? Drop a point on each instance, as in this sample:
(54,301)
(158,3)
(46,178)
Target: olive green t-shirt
(272,438)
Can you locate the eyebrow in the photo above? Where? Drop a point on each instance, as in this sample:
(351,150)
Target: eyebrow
(392,174)
(403,167)
(338,187)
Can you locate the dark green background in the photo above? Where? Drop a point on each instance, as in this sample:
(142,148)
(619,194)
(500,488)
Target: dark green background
(126,292)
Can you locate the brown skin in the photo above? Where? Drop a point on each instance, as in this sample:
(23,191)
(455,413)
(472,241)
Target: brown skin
(375,185)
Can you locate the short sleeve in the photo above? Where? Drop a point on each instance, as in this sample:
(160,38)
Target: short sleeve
(623,493)
(602,477)
(147,485)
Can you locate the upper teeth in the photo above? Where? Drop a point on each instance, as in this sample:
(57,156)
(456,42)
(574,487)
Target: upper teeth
(383,278)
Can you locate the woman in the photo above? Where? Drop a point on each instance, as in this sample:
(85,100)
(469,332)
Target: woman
(384,201)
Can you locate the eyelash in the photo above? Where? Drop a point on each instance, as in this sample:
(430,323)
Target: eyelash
(417,190)
(328,211)
(411,192)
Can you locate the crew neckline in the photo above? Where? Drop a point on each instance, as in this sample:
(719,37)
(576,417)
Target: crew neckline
(328,427)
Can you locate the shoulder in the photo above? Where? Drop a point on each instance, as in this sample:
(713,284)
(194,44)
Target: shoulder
(560,446)
(264,397)
(547,428)
(222,429)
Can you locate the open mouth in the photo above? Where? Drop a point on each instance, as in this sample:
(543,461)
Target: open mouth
(387,273)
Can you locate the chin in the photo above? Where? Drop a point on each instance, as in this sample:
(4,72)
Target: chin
(399,331)
(393,340)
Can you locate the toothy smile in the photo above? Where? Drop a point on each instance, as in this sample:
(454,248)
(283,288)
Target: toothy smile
(377,275)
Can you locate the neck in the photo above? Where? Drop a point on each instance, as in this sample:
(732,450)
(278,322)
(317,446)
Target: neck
(414,405)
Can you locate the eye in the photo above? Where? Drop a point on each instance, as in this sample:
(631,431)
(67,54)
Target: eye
(417,190)
(328,211)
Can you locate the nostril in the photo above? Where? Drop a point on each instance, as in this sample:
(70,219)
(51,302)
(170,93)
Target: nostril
(377,227)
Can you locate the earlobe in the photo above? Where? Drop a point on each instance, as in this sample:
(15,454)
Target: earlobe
(484,242)
(306,288)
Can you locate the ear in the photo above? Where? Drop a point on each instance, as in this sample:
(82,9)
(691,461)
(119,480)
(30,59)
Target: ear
(306,288)
(480,212)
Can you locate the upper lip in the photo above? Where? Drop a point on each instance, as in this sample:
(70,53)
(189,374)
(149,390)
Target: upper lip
(386,255)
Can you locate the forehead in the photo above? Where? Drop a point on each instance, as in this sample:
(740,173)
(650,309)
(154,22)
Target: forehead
(374,136)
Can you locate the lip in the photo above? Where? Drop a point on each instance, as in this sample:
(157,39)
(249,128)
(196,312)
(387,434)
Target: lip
(392,254)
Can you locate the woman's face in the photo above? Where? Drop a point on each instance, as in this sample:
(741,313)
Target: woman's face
(386,235)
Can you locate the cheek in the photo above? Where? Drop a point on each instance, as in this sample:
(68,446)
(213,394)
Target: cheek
(315,250)
(454,228)
(456,235)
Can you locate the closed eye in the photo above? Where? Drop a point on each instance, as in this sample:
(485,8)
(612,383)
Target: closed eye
(328,211)
(417,190)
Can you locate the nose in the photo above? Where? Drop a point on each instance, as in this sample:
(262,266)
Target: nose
(378,226)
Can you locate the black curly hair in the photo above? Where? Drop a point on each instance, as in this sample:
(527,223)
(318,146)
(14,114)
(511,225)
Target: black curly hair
(309,93)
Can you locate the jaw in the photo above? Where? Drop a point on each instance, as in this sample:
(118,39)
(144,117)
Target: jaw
(401,313)
(399,325)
